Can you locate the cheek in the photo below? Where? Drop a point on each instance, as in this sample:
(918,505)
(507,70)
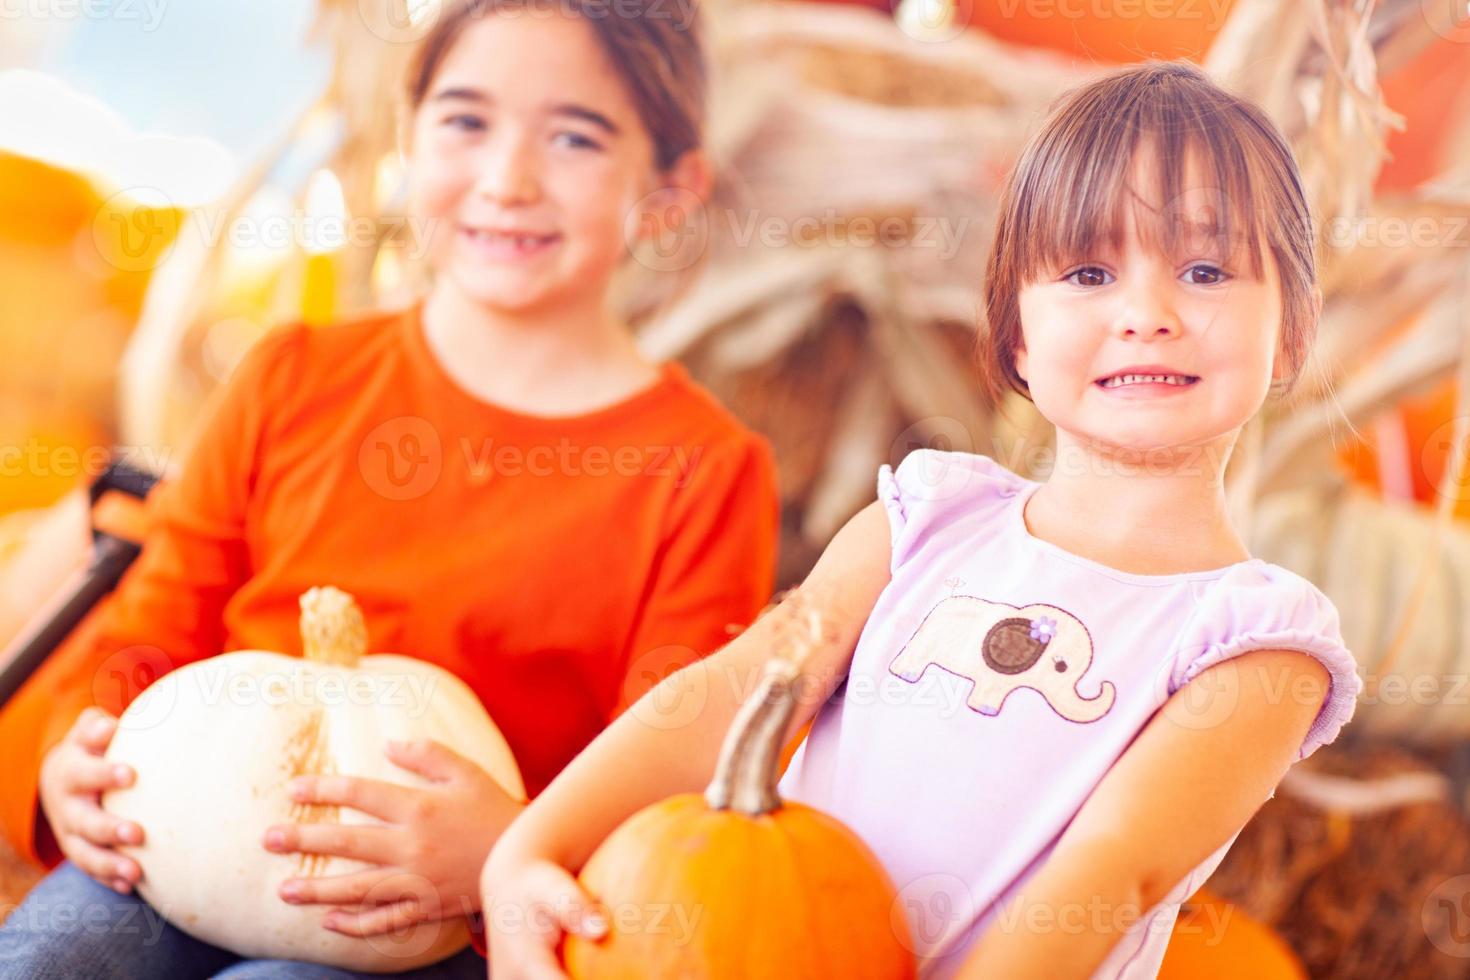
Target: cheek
(1244,343)
(435,186)
(431,220)
(596,204)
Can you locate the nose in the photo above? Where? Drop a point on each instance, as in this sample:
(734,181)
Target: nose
(1147,311)
(509,173)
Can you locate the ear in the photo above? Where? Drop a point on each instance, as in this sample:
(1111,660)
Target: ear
(675,199)
(1021,367)
(692,172)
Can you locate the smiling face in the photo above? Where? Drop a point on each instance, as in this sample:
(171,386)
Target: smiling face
(1132,348)
(525,157)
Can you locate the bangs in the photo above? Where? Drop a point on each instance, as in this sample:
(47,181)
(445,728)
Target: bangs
(1200,174)
(1197,203)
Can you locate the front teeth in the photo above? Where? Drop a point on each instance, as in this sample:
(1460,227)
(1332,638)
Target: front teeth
(519,241)
(1130,379)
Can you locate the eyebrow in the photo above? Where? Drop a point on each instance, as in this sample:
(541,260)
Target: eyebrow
(571,109)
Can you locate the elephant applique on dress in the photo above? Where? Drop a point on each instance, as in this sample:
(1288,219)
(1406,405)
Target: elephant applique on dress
(1000,648)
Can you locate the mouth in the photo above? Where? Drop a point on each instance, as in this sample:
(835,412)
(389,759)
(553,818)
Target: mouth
(507,243)
(1132,379)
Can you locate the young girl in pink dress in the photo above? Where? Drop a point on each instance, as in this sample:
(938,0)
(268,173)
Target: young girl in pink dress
(1048,707)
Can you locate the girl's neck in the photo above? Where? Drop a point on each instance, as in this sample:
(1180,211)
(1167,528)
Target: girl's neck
(571,359)
(1142,514)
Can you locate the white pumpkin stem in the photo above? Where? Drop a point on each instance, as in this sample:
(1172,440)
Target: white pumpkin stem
(332,628)
(745,778)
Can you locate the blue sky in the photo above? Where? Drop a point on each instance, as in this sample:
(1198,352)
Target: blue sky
(234,71)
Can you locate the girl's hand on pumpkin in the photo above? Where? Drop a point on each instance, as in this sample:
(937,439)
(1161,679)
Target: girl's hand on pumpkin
(529,906)
(428,850)
(73,777)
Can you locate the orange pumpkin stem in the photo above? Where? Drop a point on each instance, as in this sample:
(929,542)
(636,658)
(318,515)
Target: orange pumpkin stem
(332,628)
(746,775)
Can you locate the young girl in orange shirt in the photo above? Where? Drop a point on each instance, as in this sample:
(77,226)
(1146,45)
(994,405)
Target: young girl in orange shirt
(507,487)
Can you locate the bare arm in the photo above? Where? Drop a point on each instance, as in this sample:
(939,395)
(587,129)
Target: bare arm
(1194,776)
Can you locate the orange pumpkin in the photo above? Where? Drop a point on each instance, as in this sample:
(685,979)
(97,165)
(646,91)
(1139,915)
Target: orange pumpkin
(1213,940)
(1428,91)
(736,884)
(73,270)
(1094,33)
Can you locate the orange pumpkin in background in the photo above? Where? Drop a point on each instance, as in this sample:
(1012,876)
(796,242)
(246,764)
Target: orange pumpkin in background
(1214,940)
(748,886)
(1404,453)
(73,270)
(1430,88)
(46,450)
(1093,33)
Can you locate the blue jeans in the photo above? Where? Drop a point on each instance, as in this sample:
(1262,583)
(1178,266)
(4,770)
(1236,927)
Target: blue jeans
(71,927)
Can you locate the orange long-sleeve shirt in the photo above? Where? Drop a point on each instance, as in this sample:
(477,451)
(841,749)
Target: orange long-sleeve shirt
(559,566)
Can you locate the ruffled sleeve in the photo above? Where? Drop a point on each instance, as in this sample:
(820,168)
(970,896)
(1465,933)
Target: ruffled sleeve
(932,489)
(1265,607)
(892,500)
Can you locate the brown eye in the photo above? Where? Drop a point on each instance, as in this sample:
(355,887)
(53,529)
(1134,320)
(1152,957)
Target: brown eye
(1214,275)
(1090,275)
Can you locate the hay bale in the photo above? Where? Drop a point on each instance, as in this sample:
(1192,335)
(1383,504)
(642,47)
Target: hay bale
(1351,893)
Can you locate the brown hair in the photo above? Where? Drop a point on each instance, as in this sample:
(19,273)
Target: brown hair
(1061,200)
(653,45)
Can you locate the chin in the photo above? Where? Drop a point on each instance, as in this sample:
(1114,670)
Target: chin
(502,293)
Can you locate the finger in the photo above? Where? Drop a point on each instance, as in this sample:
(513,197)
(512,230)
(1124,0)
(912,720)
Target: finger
(100,827)
(105,865)
(374,922)
(592,924)
(358,888)
(93,729)
(375,845)
(83,773)
(577,912)
(433,760)
(387,801)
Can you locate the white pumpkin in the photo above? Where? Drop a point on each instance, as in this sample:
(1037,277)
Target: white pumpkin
(215,745)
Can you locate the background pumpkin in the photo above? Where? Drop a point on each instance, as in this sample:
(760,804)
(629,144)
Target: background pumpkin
(684,897)
(1214,940)
(215,745)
